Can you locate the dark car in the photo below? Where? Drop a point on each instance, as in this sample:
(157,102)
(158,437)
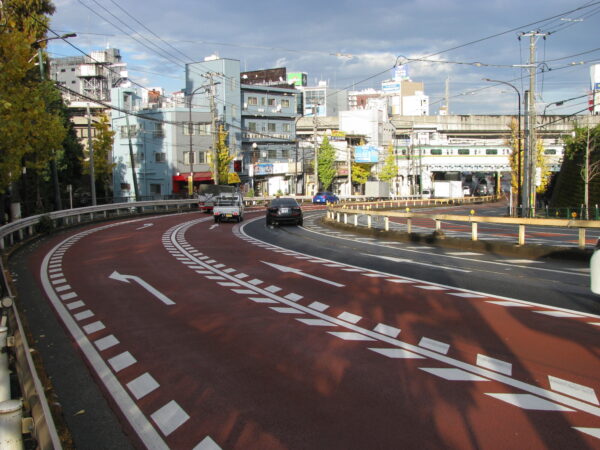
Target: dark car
(284,210)
(325,197)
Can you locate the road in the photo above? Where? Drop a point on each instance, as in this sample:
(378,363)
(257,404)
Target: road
(245,336)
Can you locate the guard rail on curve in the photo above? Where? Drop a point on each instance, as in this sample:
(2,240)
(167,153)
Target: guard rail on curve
(342,213)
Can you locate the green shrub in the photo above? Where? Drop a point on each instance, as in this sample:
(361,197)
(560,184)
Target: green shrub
(45,225)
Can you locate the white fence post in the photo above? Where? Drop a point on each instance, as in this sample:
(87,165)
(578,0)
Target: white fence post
(11,435)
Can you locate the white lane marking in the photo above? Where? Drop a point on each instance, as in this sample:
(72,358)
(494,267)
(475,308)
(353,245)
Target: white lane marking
(431,288)
(594,432)
(398,280)
(452,374)
(215,277)
(122,361)
(410,261)
(146,225)
(262,299)
(284,310)
(75,305)
(61,281)
(94,327)
(530,402)
(170,417)
(375,275)
(286,269)
(244,291)
(83,315)
(434,345)
(142,385)
(317,322)
(464,254)
(241,276)
(349,317)
(106,342)
(573,389)
(318,306)
(272,289)
(255,282)
(64,287)
(387,330)
(125,278)
(294,297)
(398,353)
(351,336)
(207,444)
(494,364)
(509,304)
(559,314)
(228,284)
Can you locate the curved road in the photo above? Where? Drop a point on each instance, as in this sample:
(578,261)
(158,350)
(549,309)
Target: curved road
(244,336)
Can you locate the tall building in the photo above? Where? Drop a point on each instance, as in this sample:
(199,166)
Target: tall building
(322,101)
(595,89)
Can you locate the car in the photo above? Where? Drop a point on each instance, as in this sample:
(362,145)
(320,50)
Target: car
(284,210)
(466,190)
(325,197)
(426,193)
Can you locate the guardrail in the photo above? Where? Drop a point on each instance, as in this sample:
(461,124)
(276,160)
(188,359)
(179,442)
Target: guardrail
(33,414)
(342,214)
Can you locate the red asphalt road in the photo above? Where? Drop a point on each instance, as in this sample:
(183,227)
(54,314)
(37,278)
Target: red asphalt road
(252,377)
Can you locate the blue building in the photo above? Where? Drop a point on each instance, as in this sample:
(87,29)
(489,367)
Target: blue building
(168,142)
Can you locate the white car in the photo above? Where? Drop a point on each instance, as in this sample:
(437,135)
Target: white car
(426,193)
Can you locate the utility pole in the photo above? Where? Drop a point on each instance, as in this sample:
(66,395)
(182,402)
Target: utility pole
(316,156)
(531,150)
(213,128)
(91,150)
(132,160)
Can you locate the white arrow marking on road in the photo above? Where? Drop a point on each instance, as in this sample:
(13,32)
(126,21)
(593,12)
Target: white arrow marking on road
(302,274)
(146,225)
(410,261)
(214,226)
(159,295)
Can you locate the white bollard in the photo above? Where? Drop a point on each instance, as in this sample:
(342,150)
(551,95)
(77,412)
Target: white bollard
(11,434)
(4,372)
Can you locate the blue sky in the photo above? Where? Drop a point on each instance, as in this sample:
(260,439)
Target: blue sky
(354,44)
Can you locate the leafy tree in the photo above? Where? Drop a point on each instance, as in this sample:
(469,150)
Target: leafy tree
(390,168)
(326,162)
(223,157)
(360,172)
(102,145)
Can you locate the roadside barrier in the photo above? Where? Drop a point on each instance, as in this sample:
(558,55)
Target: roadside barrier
(349,214)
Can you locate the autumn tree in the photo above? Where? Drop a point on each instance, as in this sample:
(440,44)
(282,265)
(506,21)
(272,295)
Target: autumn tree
(223,158)
(102,145)
(390,168)
(326,162)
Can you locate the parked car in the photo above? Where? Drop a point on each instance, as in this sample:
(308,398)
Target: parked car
(284,210)
(325,197)
(426,193)
(466,190)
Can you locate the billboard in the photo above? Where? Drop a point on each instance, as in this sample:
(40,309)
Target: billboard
(297,78)
(366,154)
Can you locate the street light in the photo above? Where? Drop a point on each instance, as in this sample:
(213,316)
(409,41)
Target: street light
(518,133)
(191,132)
(54,170)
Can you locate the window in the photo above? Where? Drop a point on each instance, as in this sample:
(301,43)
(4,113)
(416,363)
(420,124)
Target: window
(158,130)
(155,188)
(139,158)
(132,131)
(252,100)
(436,151)
(272,127)
(188,157)
(160,157)
(272,154)
(188,129)
(263,101)
(203,129)
(63,70)
(491,151)
(287,127)
(285,103)
(285,154)
(202,157)
(125,187)
(463,151)
(72,69)
(271,102)
(252,126)
(550,151)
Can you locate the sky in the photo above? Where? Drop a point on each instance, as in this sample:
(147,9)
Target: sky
(354,44)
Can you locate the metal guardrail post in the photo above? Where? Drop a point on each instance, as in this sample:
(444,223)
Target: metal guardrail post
(11,417)
(582,238)
(521,234)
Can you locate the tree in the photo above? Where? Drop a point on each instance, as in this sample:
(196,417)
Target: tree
(360,172)
(102,145)
(223,157)
(390,168)
(326,163)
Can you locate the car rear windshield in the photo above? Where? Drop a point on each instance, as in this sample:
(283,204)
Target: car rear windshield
(284,202)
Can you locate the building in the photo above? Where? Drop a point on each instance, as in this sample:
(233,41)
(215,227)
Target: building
(158,145)
(322,101)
